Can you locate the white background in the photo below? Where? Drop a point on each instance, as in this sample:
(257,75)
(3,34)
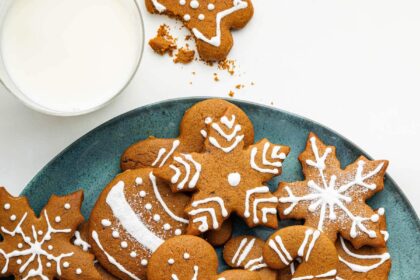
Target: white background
(351,65)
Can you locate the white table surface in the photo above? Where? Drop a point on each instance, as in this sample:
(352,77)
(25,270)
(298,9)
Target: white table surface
(351,65)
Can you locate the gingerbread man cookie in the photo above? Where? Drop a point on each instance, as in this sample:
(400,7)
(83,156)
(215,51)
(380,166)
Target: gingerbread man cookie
(227,177)
(133,216)
(247,252)
(209,21)
(40,248)
(366,262)
(316,252)
(333,200)
(156,152)
(189,257)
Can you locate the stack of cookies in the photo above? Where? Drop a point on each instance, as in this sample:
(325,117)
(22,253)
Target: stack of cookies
(173,202)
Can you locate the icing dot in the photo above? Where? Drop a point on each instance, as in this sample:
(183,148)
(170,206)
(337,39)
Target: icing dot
(166,226)
(139,181)
(234,179)
(381,211)
(19,261)
(50,247)
(142,193)
(208,120)
(194,4)
(48,264)
(148,206)
(66,264)
(144,262)
(182,2)
(67,206)
(78,271)
(201,17)
(106,223)
(115,234)
(40,232)
(28,239)
(211,7)
(156,218)
(374,218)
(178,232)
(133,254)
(171,261)
(13,218)
(124,244)
(187,17)
(57,219)
(6,206)
(20,245)
(186,256)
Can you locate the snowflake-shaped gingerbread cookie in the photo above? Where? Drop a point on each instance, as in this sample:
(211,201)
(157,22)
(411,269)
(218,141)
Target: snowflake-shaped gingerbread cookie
(210,21)
(227,177)
(333,200)
(40,248)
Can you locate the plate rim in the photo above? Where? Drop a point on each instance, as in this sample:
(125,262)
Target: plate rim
(237,102)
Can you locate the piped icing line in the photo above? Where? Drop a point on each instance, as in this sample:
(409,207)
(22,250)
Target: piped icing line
(158,6)
(129,220)
(226,149)
(276,154)
(185,160)
(210,211)
(195,276)
(216,199)
(257,191)
(233,138)
(162,202)
(331,273)
(273,245)
(162,152)
(78,241)
(111,259)
(238,251)
(328,196)
(244,254)
(217,39)
(35,250)
(362,268)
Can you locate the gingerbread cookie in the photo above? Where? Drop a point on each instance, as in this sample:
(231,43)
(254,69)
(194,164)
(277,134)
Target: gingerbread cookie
(227,177)
(366,262)
(221,236)
(318,256)
(133,216)
(238,274)
(333,200)
(189,257)
(156,152)
(246,252)
(209,21)
(40,248)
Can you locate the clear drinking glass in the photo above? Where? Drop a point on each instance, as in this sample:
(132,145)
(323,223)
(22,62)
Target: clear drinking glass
(11,86)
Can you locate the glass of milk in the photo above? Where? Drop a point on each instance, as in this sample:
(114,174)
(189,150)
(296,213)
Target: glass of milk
(69,57)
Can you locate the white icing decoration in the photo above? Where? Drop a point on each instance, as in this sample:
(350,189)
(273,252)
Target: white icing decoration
(208,120)
(166,226)
(158,6)
(194,4)
(78,271)
(115,234)
(124,244)
(50,247)
(13,218)
(106,223)
(265,210)
(234,179)
(276,154)
(6,206)
(240,254)
(78,241)
(35,250)
(162,151)
(195,276)
(182,2)
(156,217)
(57,219)
(201,17)
(129,219)
(139,181)
(233,136)
(362,268)
(162,202)
(211,7)
(111,259)
(133,254)
(187,17)
(178,232)
(216,40)
(67,206)
(148,206)
(186,256)
(186,164)
(66,264)
(203,220)
(216,199)
(171,261)
(203,133)
(329,195)
(330,273)
(144,262)
(142,194)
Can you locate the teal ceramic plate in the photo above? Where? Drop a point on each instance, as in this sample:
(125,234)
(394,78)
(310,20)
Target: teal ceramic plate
(92,161)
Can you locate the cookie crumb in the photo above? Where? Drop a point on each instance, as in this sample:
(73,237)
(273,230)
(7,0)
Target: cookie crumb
(216,77)
(239,86)
(231,94)
(228,64)
(184,55)
(163,42)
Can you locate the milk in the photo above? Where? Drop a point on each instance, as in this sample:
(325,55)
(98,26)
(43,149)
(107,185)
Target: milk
(71,55)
